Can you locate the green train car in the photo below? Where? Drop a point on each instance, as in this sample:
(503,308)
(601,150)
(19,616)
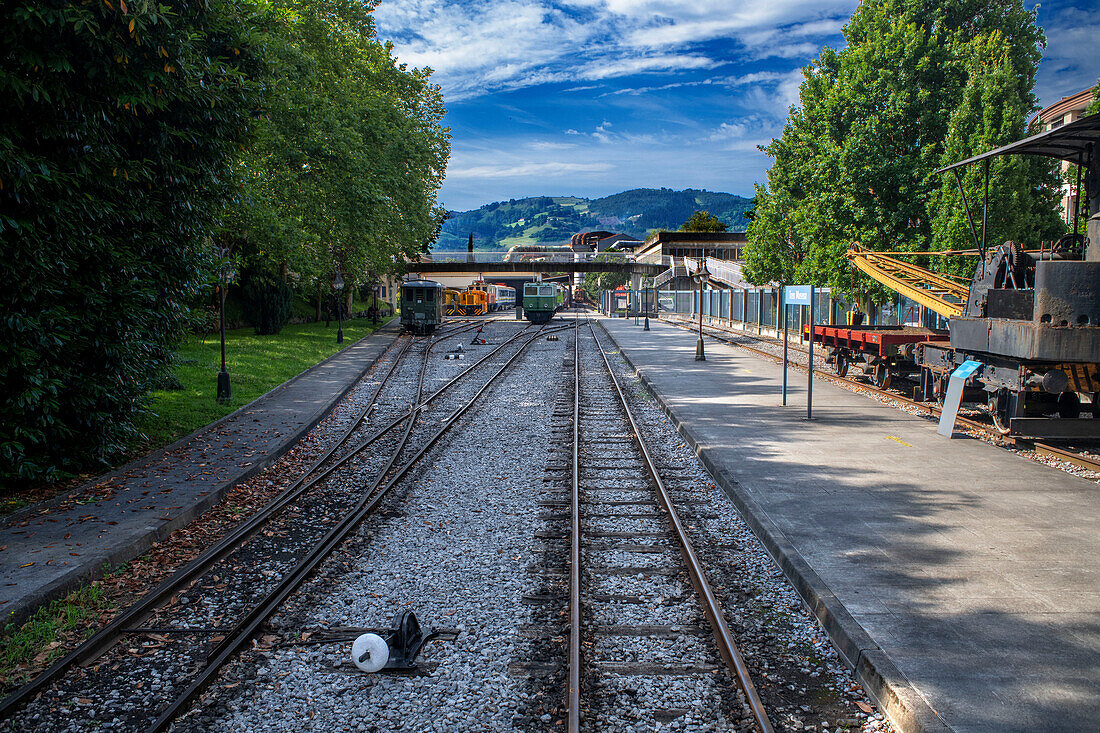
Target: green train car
(421,306)
(542,300)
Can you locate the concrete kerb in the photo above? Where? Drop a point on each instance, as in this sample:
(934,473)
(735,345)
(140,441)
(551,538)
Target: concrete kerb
(889,688)
(104,564)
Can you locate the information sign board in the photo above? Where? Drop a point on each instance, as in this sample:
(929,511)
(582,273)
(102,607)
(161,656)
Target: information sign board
(796,295)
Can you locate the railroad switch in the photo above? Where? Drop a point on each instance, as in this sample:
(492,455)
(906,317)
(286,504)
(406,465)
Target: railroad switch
(395,652)
(477,337)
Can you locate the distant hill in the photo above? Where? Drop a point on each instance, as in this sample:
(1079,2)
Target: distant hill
(545,219)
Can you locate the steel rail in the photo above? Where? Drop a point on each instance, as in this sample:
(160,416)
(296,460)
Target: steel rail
(1077,459)
(245,629)
(574,684)
(712,609)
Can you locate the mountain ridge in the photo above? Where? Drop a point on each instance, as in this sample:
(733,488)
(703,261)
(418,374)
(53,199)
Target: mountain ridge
(549,219)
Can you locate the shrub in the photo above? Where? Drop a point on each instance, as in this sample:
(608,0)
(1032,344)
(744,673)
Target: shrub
(120,125)
(269,302)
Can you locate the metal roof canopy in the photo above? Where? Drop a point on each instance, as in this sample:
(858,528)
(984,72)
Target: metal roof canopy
(1075,143)
(1069,142)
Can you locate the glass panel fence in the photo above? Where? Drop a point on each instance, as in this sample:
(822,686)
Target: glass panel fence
(768,307)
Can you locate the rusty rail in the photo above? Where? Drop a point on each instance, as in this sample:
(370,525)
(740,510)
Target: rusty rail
(574,685)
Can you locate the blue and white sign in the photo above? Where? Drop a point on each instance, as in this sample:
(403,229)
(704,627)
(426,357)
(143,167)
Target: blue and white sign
(796,295)
(953,398)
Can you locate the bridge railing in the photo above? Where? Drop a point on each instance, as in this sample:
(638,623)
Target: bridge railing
(494,257)
(563,257)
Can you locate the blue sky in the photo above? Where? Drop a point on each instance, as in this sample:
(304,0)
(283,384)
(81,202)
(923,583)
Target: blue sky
(592,97)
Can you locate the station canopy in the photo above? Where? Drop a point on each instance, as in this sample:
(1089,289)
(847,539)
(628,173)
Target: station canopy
(1069,142)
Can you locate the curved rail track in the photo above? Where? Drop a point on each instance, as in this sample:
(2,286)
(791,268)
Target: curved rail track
(620,549)
(185,629)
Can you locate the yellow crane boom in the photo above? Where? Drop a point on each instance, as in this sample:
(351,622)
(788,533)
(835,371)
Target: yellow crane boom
(932,290)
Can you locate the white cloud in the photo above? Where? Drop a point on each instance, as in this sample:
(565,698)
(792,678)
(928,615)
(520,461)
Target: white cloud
(548,145)
(480,46)
(552,169)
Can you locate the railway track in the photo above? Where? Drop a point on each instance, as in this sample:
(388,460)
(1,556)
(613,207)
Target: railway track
(1068,455)
(144,668)
(642,630)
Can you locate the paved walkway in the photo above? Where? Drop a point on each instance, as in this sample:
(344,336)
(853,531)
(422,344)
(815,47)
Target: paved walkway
(959,579)
(48,550)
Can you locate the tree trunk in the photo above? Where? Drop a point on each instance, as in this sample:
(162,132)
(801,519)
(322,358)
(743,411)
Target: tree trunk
(318,317)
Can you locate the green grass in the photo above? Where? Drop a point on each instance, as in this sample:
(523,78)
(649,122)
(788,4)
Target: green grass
(37,638)
(256,364)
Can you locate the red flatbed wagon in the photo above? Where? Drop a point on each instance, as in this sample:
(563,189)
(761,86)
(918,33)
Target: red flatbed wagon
(884,352)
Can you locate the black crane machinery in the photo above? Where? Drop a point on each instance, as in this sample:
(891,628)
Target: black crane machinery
(1031,319)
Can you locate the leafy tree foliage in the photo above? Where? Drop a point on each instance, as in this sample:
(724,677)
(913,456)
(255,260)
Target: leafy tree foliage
(121,121)
(138,135)
(856,158)
(994,105)
(349,157)
(596,282)
(703,221)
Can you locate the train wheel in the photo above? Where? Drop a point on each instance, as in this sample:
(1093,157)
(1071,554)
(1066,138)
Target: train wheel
(998,410)
(882,376)
(1069,405)
(841,365)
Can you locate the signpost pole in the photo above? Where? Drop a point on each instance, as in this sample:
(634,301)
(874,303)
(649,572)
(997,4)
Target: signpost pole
(810,371)
(784,309)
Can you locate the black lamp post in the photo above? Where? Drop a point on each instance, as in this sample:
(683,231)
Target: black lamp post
(701,277)
(224,392)
(338,284)
(649,284)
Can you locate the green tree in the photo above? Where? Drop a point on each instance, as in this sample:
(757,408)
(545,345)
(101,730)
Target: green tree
(596,282)
(121,124)
(703,221)
(856,157)
(349,156)
(1023,190)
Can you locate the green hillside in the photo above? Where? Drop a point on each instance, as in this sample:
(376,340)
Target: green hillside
(548,219)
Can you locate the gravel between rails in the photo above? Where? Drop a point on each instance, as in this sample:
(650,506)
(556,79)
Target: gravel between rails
(450,545)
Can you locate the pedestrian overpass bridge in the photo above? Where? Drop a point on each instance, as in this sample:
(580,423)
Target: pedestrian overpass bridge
(532,264)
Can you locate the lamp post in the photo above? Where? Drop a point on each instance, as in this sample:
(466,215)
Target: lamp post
(649,284)
(224,274)
(701,277)
(338,284)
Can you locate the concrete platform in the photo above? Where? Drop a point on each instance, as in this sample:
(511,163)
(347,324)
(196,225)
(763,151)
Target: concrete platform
(48,549)
(960,580)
